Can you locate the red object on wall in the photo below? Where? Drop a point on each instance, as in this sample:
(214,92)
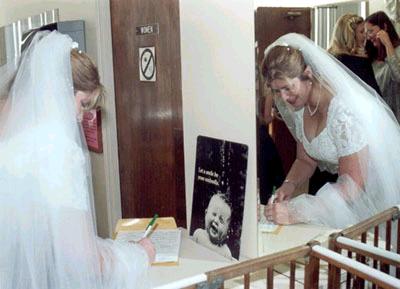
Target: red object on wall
(91,124)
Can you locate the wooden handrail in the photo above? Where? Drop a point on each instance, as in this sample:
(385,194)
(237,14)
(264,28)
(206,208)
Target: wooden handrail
(360,270)
(376,253)
(245,268)
(356,230)
(260,263)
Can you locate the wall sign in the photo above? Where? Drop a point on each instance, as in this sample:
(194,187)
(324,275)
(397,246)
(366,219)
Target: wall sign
(147,29)
(147,64)
(91,124)
(219,185)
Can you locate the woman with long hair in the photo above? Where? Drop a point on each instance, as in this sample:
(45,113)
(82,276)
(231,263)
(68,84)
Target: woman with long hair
(348,46)
(383,48)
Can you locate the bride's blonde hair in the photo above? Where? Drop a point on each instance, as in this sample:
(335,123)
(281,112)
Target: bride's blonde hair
(85,76)
(283,62)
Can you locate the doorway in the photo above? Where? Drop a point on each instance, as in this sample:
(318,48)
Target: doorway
(149,107)
(270,24)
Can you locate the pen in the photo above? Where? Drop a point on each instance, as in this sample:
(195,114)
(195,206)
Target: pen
(150,226)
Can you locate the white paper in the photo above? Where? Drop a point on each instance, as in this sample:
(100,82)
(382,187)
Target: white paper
(166,242)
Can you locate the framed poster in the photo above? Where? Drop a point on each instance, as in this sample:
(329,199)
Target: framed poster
(218,195)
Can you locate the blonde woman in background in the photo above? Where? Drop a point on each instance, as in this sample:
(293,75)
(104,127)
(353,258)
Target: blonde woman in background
(348,46)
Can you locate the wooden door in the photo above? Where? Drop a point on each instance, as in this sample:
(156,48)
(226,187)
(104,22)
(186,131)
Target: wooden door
(149,114)
(270,24)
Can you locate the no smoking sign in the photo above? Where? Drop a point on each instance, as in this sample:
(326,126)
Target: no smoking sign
(147,64)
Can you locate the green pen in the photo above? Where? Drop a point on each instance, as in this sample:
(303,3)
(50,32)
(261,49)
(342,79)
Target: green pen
(150,226)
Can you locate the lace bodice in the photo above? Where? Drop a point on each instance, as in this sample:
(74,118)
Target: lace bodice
(341,137)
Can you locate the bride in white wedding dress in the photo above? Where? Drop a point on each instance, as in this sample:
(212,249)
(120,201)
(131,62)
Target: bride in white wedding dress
(48,238)
(341,125)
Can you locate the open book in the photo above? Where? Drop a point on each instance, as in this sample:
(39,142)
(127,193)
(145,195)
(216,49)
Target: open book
(166,237)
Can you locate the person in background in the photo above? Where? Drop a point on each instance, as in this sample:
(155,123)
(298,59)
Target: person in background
(48,235)
(348,46)
(270,169)
(335,119)
(383,48)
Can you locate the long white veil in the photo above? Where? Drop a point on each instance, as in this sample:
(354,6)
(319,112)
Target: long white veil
(48,239)
(344,203)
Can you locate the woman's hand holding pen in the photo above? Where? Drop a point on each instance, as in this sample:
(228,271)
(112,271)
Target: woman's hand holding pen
(278,212)
(148,246)
(145,241)
(277,209)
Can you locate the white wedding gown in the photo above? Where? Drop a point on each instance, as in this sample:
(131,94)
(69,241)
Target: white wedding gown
(357,121)
(342,136)
(48,238)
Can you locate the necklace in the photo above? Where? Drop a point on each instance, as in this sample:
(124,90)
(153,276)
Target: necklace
(315,109)
(312,112)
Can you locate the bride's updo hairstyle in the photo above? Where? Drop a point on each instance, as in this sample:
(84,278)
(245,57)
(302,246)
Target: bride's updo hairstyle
(85,76)
(282,62)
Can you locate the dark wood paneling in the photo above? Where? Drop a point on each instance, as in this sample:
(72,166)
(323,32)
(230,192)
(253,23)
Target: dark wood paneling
(149,114)
(270,24)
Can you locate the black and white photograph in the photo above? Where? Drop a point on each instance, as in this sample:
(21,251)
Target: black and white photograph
(218,195)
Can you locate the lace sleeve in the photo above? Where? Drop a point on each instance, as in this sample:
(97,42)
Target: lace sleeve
(345,130)
(324,207)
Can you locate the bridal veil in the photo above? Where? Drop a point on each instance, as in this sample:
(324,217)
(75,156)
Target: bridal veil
(48,238)
(344,203)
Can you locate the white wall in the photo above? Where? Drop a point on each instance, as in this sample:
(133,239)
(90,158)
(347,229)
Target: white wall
(376,5)
(11,10)
(218,89)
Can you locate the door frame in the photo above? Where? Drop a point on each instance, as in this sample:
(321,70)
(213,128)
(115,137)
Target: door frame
(109,129)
